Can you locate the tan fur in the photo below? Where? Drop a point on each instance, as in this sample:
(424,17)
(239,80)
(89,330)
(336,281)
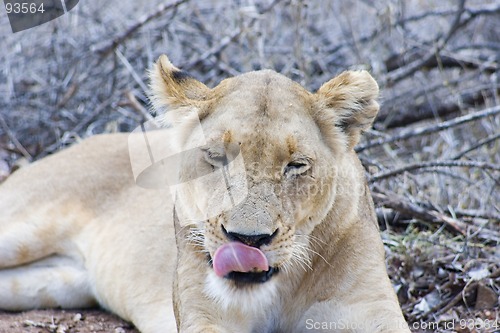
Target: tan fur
(75,228)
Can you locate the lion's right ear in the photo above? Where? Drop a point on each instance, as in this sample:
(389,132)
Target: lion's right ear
(172,88)
(347,105)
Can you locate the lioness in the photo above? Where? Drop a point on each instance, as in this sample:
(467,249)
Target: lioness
(281,236)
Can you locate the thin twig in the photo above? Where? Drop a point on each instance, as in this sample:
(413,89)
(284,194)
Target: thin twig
(226,41)
(429,213)
(134,103)
(426,109)
(414,66)
(14,140)
(456,22)
(68,95)
(432,164)
(476,214)
(82,124)
(483,10)
(131,70)
(111,46)
(401,205)
(90,116)
(441,308)
(471,12)
(414,132)
(481,143)
(214,51)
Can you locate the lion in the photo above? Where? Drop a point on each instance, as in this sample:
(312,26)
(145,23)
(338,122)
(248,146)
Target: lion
(265,225)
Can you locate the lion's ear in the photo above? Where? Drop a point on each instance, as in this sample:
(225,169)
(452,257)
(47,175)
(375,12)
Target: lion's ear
(172,87)
(348,102)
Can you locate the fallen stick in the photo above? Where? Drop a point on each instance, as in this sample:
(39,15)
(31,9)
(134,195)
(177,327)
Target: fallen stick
(401,205)
(432,164)
(413,132)
(425,213)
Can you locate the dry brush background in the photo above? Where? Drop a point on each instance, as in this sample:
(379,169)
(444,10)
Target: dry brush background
(432,159)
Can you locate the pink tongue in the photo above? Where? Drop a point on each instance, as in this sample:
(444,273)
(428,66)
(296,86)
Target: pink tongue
(238,257)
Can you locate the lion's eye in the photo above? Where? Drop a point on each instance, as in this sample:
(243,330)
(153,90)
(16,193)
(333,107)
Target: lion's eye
(296,168)
(217,159)
(219,156)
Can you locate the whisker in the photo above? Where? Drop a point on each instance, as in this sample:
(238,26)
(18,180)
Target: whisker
(196,237)
(300,256)
(316,241)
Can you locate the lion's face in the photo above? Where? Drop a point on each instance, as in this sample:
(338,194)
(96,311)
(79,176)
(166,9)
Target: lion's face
(288,171)
(266,154)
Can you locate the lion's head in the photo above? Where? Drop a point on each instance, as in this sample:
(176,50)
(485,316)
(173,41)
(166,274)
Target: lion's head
(264,162)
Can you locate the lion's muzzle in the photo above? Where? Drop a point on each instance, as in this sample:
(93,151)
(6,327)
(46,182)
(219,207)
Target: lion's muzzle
(238,257)
(241,260)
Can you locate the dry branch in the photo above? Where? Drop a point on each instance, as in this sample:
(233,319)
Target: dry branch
(470,213)
(214,51)
(442,308)
(89,117)
(469,13)
(488,9)
(226,41)
(414,132)
(14,140)
(432,164)
(463,16)
(131,70)
(445,306)
(427,213)
(113,44)
(134,103)
(442,60)
(403,206)
(391,117)
(479,144)
(67,95)
(411,68)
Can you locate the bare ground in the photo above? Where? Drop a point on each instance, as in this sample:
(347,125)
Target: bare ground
(63,321)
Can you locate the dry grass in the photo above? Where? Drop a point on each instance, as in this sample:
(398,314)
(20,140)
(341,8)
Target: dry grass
(56,88)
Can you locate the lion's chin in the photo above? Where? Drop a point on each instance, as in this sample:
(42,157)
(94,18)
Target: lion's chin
(229,294)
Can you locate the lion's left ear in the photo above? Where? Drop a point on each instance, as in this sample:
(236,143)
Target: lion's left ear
(348,102)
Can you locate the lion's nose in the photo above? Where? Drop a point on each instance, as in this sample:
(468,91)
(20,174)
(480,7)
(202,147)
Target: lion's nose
(250,240)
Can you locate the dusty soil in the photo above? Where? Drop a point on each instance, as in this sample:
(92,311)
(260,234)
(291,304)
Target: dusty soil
(63,321)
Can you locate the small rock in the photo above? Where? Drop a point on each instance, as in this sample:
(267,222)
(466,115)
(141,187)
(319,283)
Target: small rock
(422,306)
(61,329)
(486,298)
(119,330)
(77,317)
